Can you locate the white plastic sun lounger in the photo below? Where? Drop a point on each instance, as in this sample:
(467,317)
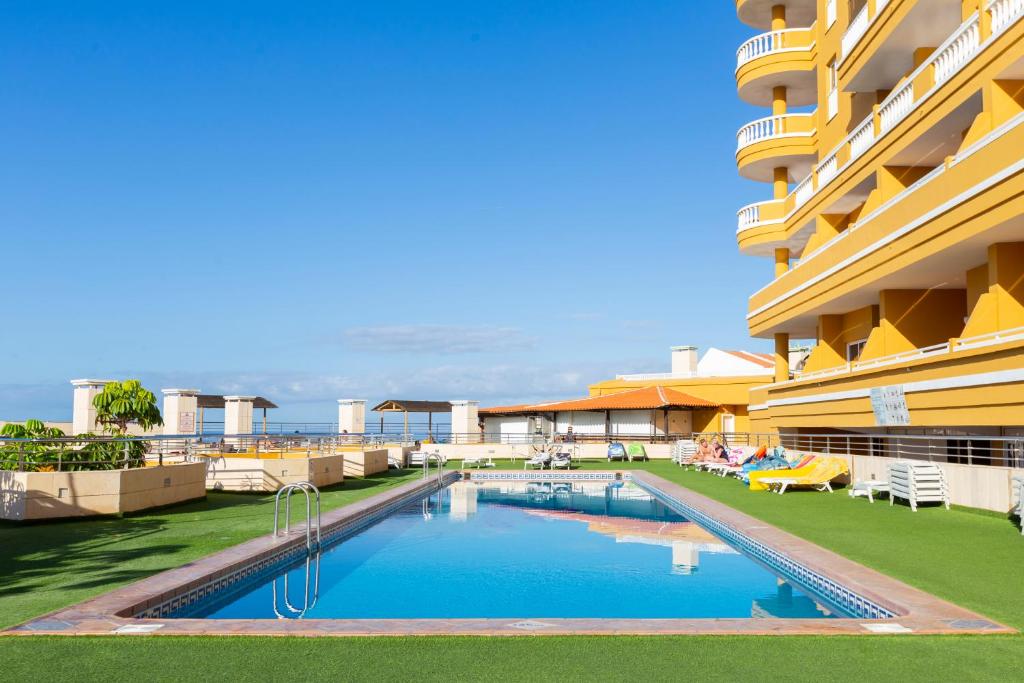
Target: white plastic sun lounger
(539,460)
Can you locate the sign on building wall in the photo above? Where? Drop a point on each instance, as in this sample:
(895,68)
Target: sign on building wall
(890,406)
(186,423)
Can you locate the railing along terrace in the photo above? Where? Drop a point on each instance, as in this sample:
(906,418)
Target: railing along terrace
(773,42)
(975,450)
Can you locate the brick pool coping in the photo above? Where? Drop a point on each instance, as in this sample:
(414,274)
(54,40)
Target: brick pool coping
(917,612)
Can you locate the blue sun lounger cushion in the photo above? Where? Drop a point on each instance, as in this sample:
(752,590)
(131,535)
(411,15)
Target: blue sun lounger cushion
(616,451)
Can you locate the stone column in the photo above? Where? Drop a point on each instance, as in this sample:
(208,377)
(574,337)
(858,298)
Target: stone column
(465,421)
(180,408)
(238,415)
(351,416)
(83,414)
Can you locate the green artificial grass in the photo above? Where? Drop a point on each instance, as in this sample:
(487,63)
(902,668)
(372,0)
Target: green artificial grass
(48,565)
(971,559)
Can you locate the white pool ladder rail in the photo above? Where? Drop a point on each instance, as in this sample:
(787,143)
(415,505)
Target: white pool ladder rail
(287,490)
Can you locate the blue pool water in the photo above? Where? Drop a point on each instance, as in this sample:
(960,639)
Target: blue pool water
(517,550)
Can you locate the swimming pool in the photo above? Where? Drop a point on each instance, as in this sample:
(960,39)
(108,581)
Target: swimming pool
(523,549)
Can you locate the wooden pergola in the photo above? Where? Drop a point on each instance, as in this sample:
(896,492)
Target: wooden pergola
(406,406)
(204,401)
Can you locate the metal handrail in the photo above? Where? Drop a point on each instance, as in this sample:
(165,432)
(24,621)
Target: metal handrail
(440,466)
(306,606)
(287,490)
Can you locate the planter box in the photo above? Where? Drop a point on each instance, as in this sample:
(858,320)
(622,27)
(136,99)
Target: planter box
(365,463)
(228,473)
(52,495)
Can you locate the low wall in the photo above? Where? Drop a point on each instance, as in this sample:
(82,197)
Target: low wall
(53,495)
(504,451)
(226,473)
(365,463)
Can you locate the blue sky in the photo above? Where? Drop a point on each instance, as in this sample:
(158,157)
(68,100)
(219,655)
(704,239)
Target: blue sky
(499,200)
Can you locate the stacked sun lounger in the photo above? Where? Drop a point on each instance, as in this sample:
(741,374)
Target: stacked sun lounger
(1019,485)
(917,482)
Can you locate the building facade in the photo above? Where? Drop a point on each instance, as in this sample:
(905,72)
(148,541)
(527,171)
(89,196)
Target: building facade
(894,154)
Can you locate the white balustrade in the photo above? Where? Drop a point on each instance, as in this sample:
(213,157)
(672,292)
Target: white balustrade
(762,129)
(862,138)
(858,27)
(749,215)
(897,105)
(830,13)
(1004,13)
(758,45)
(957,51)
(827,169)
(803,191)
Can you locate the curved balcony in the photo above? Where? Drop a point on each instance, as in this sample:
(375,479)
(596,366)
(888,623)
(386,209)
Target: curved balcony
(761,228)
(758,13)
(765,144)
(778,58)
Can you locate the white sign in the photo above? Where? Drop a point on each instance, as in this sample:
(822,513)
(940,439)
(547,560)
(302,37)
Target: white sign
(186,423)
(890,406)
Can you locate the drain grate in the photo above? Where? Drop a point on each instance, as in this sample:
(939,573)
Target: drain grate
(530,625)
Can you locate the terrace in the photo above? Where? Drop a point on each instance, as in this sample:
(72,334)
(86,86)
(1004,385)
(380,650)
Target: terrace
(54,565)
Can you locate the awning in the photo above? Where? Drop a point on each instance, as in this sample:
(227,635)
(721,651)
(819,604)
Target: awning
(395,405)
(217,401)
(646,398)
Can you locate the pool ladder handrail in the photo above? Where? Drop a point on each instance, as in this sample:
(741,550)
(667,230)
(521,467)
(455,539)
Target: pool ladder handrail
(287,490)
(306,605)
(436,455)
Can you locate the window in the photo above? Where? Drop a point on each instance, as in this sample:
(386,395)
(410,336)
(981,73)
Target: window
(833,89)
(854,349)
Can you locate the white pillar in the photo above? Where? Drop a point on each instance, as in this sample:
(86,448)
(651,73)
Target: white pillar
(180,407)
(465,421)
(684,360)
(238,414)
(351,416)
(83,413)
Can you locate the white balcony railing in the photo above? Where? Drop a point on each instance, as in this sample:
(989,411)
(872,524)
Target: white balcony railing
(897,105)
(904,100)
(863,136)
(981,340)
(827,169)
(749,215)
(1004,12)
(858,27)
(965,43)
(783,125)
(804,191)
(772,42)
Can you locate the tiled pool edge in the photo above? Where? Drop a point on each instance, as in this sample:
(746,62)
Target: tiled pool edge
(918,612)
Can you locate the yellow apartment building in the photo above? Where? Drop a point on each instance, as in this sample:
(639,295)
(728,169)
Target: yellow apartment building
(893,161)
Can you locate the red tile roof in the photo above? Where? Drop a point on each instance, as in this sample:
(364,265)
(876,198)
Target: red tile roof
(635,399)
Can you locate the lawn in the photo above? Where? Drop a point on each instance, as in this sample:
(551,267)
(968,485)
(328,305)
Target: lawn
(971,558)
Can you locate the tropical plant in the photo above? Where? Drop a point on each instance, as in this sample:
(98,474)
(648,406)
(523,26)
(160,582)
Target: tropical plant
(124,403)
(30,455)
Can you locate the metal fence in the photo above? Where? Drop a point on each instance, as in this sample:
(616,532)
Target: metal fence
(992,451)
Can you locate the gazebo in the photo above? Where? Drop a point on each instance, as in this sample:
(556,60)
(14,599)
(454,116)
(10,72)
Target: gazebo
(406,406)
(215,401)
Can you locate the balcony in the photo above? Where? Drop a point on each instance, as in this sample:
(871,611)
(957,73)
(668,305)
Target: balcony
(906,241)
(878,47)
(785,140)
(778,58)
(758,13)
(975,381)
(956,53)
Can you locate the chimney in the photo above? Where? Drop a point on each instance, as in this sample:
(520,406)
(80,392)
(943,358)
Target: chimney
(684,360)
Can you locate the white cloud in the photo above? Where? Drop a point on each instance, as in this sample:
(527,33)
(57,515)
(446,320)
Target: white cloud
(437,339)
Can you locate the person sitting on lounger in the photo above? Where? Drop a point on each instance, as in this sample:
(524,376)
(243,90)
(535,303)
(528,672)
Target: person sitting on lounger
(704,452)
(721,455)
